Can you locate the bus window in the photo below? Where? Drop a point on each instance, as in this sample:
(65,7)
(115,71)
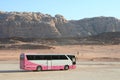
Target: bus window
(63,57)
(73,59)
(39,57)
(21,57)
(30,57)
(47,57)
(55,57)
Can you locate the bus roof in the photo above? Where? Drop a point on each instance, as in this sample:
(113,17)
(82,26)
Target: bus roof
(46,54)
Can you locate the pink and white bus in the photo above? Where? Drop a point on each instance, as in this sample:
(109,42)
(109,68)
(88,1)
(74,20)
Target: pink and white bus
(40,62)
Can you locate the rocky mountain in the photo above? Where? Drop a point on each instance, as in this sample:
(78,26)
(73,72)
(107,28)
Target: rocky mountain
(38,25)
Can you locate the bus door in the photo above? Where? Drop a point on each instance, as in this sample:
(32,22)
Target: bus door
(49,61)
(49,64)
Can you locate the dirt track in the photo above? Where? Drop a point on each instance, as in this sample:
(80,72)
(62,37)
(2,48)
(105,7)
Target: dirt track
(9,70)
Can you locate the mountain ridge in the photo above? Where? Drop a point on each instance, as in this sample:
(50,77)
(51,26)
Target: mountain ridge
(38,25)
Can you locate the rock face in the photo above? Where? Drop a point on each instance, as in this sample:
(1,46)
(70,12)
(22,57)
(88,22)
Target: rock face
(38,25)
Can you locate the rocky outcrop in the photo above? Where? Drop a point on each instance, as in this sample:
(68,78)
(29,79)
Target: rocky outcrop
(38,25)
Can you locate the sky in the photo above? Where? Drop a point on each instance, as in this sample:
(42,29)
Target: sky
(70,9)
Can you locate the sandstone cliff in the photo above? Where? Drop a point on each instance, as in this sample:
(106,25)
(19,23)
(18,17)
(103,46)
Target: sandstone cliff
(38,25)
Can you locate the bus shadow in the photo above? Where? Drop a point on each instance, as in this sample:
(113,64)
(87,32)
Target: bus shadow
(22,71)
(13,71)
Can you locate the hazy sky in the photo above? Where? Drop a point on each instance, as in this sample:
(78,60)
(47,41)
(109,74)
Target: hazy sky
(70,9)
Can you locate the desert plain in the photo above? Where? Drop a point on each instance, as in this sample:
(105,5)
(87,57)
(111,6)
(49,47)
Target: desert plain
(94,62)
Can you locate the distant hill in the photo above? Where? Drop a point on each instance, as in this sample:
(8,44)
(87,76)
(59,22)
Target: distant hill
(38,25)
(104,38)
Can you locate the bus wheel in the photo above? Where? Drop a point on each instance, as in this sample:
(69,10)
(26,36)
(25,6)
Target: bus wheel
(66,67)
(39,68)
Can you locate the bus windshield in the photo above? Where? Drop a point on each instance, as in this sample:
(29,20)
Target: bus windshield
(72,57)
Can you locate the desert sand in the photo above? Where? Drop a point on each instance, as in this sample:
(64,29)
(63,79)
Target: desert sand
(94,62)
(9,70)
(82,52)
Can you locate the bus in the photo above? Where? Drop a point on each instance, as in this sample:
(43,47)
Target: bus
(39,62)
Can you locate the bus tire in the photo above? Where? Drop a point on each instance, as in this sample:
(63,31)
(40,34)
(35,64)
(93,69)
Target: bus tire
(66,67)
(39,68)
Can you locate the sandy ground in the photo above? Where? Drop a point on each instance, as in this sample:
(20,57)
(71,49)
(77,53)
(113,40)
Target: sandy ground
(9,70)
(93,64)
(83,52)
